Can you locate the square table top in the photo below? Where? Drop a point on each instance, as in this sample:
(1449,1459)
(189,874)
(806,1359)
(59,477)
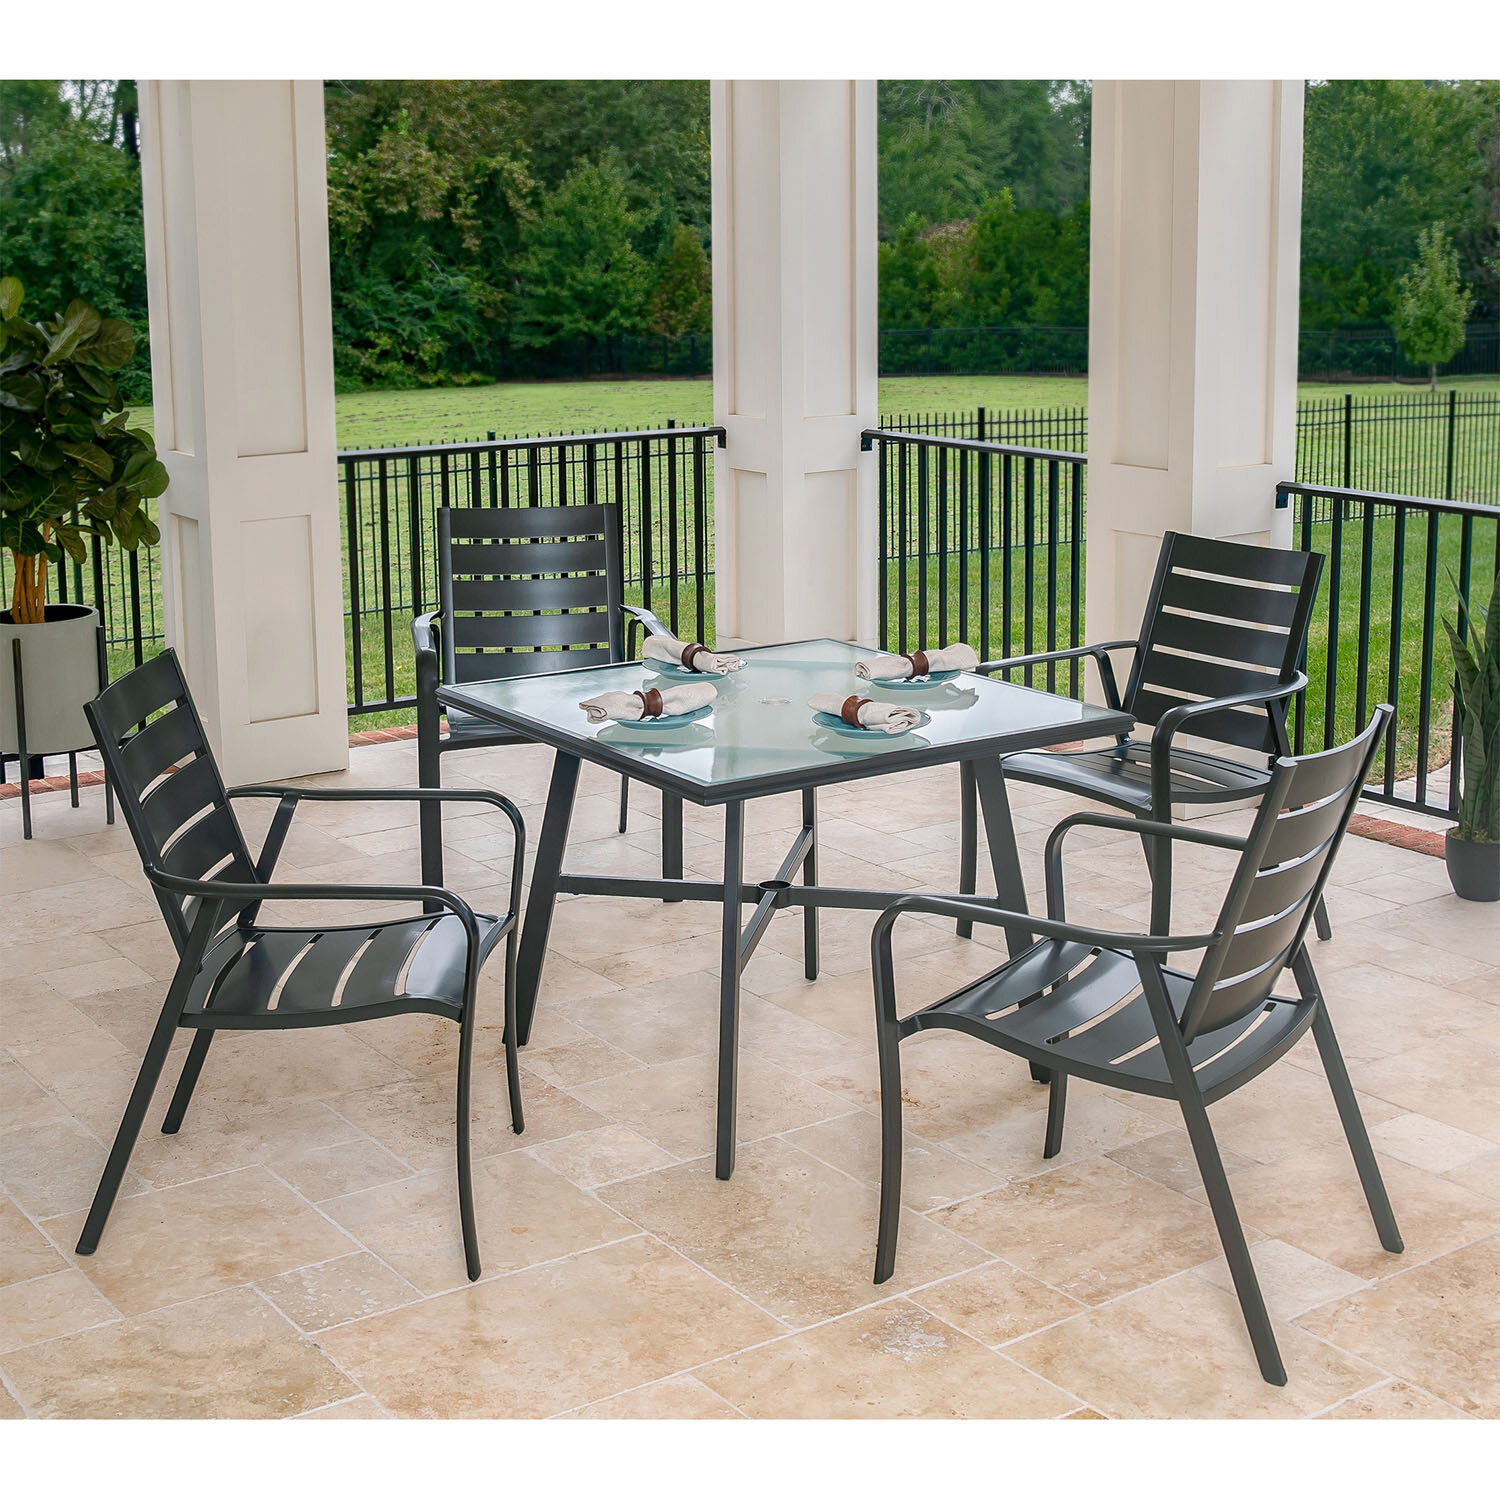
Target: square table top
(760,737)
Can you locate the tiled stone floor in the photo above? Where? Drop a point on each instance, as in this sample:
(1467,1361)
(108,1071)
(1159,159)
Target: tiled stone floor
(295,1250)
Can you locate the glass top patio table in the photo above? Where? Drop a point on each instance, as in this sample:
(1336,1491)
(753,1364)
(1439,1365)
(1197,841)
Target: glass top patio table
(760,737)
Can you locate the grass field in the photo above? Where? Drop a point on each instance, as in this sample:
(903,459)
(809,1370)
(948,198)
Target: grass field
(369,419)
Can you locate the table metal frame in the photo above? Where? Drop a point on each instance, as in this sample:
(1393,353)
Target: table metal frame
(980,765)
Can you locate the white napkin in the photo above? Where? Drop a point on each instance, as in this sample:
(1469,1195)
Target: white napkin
(669,649)
(630,707)
(893,718)
(959,656)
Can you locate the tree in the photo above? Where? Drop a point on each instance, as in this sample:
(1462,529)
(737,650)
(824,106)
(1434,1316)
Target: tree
(581,277)
(70,201)
(1433,304)
(683,299)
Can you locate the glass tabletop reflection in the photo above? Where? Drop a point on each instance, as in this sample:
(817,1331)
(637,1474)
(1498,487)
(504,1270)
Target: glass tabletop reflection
(760,728)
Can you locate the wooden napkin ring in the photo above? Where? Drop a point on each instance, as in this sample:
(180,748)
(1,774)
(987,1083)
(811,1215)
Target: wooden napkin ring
(919,664)
(650,703)
(849,713)
(690,654)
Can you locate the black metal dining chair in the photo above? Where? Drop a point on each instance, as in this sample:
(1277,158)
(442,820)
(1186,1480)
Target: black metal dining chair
(1106,1007)
(523,589)
(236,973)
(1218,657)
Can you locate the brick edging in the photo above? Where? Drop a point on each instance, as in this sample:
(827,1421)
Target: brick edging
(1378,830)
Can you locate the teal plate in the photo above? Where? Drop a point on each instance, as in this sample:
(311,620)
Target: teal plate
(902,684)
(676,669)
(666,721)
(837,726)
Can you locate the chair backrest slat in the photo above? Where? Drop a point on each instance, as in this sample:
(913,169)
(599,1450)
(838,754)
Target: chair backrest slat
(1222,618)
(1288,853)
(529,589)
(167,783)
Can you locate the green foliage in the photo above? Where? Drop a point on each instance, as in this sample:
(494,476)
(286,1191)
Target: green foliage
(1383,160)
(581,277)
(683,299)
(1476,666)
(65,443)
(70,201)
(1432,305)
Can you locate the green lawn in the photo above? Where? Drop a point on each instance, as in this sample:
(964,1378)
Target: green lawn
(369,419)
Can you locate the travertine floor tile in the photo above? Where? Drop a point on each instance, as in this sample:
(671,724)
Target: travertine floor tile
(182,1242)
(1394,1401)
(676,1398)
(1428,1144)
(320,1172)
(24,1250)
(54,1166)
(227,1355)
(1291,1281)
(1482,1175)
(1179,1349)
(930,1175)
(1454,1079)
(997,1303)
(49,1307)
(895,1360)
(1314,1201)
(1436,1325)
(593,1157)
(360,1408)
(548,1339)
(525,1214)
(23,1101)
(673,1103)
(1094,1230)
(338,1291)
(415,1119)
(1095,1123)
(1168,1159)
(792,1234)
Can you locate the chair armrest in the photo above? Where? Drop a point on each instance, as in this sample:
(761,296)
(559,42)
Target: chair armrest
(424,630)
(1100,653)
(638,617)
(289,796)
(999,916)
(1052,857)
(1174,719)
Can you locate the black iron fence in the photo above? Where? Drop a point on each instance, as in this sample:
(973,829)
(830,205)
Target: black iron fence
(1396,568)
(980,541)
(661,481)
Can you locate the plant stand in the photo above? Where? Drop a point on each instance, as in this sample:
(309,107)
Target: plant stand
(26,753)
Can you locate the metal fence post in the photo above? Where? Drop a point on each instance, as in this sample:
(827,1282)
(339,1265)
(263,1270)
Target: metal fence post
(1452,432)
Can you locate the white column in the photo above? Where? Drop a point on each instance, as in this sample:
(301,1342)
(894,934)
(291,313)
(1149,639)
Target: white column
(1196,191)
(795,358)
(242,373)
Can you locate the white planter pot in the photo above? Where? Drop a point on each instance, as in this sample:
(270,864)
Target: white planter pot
(60,670)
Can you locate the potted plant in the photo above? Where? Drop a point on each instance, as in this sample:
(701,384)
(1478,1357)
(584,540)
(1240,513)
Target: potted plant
(1473,848)
(70,468)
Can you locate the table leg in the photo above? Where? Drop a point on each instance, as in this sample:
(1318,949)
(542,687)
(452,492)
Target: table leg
(729,987)
(1000,835)
(968,839)
(671,837)
(1005,860)
(810,877)
(549,858)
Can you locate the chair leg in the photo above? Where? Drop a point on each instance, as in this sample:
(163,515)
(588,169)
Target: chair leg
(1349,1116)
(430,813)
(465,1167)
(512,1063)
(73,777)
(968,839)
(145,1085)
(1057,1105)
(1215,1182)
(1159,862)
(889,1042)
(1320,920)
(186,1082)
(624,802)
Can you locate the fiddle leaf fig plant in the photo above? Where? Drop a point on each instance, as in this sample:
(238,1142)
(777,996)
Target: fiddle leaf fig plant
(1476,665)
(70,465)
